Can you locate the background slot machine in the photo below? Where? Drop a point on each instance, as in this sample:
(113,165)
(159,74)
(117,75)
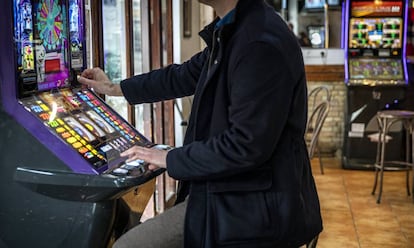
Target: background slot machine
(61,172)
(376,77)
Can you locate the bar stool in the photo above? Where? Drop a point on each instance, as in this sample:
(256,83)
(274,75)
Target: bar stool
(385,120)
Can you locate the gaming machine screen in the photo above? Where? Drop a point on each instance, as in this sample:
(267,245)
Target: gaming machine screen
(49,43)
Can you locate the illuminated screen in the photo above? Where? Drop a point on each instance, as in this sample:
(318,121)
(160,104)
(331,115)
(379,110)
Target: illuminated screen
(81,120)
(377,8)
(76,35)
(316,36)
(23,31)
(319,4)
(314,4)
(376,69)
(45,49)
(375,33)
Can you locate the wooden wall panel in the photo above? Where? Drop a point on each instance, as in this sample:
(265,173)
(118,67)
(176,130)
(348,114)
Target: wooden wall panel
(325,73)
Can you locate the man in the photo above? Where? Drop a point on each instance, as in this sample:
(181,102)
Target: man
(244,169)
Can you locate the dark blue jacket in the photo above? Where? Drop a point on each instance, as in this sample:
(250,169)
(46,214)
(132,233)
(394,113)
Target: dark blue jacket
(244,161)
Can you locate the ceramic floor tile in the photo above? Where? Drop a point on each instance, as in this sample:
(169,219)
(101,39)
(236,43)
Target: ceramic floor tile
(383,239)
(351,216)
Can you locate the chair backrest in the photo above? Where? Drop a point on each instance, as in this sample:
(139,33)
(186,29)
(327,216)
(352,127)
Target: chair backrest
(314,125)
(317,95)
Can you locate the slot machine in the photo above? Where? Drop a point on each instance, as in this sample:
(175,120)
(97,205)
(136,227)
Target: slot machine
(375,75)
(61,174)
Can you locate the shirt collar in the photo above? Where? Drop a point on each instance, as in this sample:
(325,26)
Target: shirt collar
(228,18)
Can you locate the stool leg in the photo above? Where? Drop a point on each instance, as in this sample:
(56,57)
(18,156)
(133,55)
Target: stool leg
(375,182)
(320,157)
(407,157)
(407,179)
(382,154)
(412,181)
(412,156)
(380,182)
(377,159)
(374,188)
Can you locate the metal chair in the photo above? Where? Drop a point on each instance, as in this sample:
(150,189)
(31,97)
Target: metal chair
(316,96)
(319,100)
(313,242)
(386,119)
(314,127)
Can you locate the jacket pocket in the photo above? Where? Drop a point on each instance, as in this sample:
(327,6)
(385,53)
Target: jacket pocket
(259,179)
(242,208)
(243,217)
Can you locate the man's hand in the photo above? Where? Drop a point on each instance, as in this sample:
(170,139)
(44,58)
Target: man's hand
(97,79)
(154,157)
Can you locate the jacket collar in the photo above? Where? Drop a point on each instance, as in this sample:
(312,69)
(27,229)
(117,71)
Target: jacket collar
(207,33)
(242,8)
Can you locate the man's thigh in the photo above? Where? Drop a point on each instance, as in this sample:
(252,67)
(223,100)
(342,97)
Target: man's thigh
(164,230)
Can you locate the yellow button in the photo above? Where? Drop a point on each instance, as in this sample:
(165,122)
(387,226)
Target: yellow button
(77,145)
(60,129)
(71,140)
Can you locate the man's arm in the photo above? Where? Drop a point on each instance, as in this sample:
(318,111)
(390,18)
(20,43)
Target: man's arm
(97,79)
(173,81)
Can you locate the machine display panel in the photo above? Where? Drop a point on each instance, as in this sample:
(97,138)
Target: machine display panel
(375,33)
(375,42)
(76,25)
(45,51)
(313,4)
(316,34)
(81,120)
(383,69)
(385,8)
(319,4)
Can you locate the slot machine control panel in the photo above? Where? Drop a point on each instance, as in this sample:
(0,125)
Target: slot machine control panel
(79,118)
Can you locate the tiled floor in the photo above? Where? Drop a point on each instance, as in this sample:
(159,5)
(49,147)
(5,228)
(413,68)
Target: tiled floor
(351,216)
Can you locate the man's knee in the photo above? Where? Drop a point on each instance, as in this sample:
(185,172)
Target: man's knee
(164,230)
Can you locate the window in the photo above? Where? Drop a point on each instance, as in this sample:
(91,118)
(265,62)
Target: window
(131,37)
(114,45)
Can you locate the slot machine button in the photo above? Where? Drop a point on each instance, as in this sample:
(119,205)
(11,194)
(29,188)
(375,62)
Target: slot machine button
(71,140)
(77,145)
(120,171)
(135,163)
(167,147)
(127,167)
